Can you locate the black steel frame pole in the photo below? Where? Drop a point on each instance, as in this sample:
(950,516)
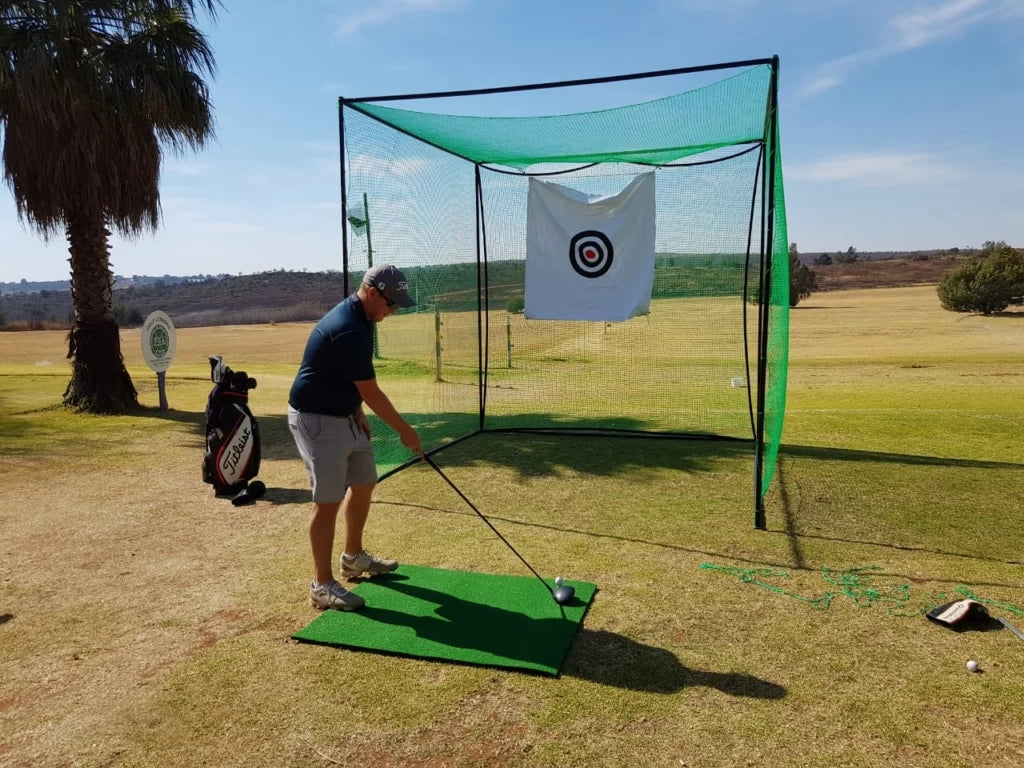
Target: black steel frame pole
(567,83)
(479,300)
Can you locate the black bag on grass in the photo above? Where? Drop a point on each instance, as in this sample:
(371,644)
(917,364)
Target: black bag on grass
(232,455)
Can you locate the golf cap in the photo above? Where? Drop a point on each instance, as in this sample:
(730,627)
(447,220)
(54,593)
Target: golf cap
(389,280)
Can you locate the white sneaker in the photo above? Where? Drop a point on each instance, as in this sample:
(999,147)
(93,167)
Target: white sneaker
(355,566)
(333,595)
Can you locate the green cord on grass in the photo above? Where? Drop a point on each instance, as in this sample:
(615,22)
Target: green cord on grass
(856,583)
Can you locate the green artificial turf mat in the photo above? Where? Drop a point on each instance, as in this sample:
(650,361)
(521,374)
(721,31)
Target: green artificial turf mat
(470,618)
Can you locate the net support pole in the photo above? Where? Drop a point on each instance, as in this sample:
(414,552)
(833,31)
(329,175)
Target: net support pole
(437,342)
(344,196)
(479,297)
(765,289)
(369,264)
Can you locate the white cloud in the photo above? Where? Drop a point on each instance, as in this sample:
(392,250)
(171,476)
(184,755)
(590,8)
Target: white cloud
(381,12)
(924,26)
(208,216)
(720,6)
(321,147)
(876,169)
(822,82)
(334,88)
(382,166)
(182,168)
(927,25)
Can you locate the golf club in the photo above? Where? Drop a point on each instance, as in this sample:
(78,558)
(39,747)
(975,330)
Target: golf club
(1010,627)
(562,594)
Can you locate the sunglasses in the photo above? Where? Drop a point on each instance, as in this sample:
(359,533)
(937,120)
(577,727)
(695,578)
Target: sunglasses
(391,304)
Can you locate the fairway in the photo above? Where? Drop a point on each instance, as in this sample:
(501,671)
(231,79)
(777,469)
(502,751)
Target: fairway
(145,623)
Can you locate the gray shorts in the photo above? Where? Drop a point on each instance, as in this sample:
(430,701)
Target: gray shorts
(336,453)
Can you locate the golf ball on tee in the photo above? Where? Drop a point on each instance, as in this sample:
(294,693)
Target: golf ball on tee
(558,581)
(972,666)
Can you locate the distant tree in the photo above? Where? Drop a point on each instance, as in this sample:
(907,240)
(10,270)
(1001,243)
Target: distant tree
(849,257)
(92,96)
(802,280)
(986,284)
(128,315)
(515,306)
(822,261)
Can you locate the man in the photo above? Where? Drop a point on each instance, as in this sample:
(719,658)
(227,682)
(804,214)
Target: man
(325,415)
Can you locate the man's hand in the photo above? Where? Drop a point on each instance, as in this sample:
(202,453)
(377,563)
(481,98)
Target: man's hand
(362,423)
(411,440)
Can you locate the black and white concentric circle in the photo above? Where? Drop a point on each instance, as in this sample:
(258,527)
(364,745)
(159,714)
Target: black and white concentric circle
(590,253)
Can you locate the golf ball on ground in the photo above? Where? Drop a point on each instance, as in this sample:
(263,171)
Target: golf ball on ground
(972,666)
(558,581)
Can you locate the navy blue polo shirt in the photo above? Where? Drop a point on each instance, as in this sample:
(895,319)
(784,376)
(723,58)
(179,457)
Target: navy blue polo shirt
(339,352)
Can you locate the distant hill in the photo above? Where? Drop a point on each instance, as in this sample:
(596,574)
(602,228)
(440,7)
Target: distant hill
(120,281)
(810,257)
(920,269)
(282,296)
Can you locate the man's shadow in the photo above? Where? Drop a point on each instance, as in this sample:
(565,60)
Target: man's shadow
(611,659)
(597,655)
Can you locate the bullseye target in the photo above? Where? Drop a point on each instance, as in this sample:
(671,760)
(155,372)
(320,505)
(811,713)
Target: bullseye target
(590,253)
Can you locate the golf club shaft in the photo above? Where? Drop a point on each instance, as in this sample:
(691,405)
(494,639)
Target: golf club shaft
(1010,627)
(455,488)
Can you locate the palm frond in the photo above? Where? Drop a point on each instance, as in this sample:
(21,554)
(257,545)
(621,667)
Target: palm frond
(92,94)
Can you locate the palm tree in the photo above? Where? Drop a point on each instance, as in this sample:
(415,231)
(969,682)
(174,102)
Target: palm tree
(92,93)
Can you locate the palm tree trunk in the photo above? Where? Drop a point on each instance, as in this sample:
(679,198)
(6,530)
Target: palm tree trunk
(99,381)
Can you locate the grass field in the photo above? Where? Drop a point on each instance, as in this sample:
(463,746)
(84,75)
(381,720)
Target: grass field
(144,622)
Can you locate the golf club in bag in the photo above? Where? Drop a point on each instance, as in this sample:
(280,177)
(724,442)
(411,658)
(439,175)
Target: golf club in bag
(232,454)
(561,593)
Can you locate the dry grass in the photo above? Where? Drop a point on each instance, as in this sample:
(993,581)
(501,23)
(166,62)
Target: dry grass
(145,622)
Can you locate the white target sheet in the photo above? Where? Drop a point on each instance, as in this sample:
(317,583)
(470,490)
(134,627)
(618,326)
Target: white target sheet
(589,257)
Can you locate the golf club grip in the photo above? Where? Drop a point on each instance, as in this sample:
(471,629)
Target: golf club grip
(455,488)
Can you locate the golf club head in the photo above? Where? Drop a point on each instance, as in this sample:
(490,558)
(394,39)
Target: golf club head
(563,594)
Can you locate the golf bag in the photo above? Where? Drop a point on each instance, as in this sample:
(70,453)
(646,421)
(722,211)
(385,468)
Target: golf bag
(232,455)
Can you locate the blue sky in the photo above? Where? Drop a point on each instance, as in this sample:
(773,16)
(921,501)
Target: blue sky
(901,121)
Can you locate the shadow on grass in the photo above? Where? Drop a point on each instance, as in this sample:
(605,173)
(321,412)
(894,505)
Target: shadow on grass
(598,656)
(790,508)
(196,420)
(531,454)
(847,454)
(474,627)
(438,428)
(541,445)
(611,659)
(732,556)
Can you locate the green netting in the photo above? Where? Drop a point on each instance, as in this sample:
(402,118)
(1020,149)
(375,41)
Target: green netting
(778,331)
(445,199)
(655,132)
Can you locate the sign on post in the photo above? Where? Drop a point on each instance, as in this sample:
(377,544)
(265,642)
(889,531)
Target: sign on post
(158,349)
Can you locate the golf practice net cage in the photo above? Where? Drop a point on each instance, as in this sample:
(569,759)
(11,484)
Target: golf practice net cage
(444,198)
